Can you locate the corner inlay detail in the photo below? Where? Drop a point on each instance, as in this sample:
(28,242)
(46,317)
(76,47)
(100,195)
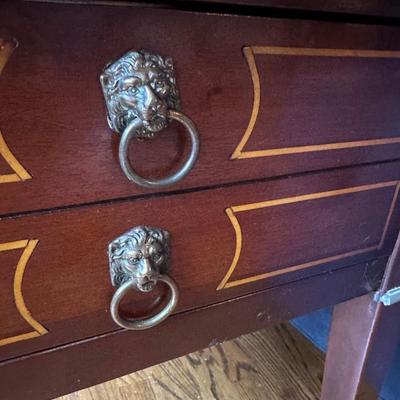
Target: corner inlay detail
(249,54)
(7,47)
(233,210)
(28,247)
(20,173)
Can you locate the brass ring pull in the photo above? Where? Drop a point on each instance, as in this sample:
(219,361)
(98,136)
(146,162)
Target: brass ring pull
(138,260)
(141,324)
(142,97)
(130,132)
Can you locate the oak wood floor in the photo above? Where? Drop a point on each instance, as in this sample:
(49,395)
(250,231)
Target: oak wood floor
(273,364)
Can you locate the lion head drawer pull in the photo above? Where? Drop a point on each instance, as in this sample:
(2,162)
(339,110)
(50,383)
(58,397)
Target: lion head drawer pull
(138,260)
(142,97)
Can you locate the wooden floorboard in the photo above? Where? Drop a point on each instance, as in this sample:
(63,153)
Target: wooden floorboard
(273,364)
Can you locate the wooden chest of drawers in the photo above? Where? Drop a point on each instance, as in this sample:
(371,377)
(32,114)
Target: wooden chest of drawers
(291,206)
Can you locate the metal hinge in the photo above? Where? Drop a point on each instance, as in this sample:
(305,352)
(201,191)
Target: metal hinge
(389,298)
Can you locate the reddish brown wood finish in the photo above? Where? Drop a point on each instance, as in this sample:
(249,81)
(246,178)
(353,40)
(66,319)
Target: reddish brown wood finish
(380,8)
(363,339)
(317,237)
(53,117)
(47,374)
(66,283)
(316,99)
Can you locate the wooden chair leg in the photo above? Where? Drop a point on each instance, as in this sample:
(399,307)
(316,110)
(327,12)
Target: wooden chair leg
(363,338)
(361,344)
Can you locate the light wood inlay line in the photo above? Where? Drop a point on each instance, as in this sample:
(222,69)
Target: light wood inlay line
(6,49)
(18,338)
(315,52)
(295,199)
(29,247)
(19,244)
(318,147)
(21,174)
(297,267)
(249,53)
(312,196)
(238,248)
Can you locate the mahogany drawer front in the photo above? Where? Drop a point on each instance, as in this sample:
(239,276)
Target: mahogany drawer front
(269,97)
(225,243)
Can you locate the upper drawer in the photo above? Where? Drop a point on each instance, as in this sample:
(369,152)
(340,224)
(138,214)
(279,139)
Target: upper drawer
(366,7)
(224,243)
(269,97)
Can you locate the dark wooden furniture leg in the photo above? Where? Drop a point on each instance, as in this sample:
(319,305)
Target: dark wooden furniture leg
(363,337)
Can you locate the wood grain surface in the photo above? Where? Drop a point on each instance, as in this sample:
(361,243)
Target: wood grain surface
(209,261)
(272,364)
(377,8)
(52,112)
(76,364)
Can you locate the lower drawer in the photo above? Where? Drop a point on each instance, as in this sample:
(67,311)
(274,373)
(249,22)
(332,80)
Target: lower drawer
(225,243)
(48,374)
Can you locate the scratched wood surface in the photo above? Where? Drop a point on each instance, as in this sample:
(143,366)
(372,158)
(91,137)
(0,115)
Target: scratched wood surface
(271,364)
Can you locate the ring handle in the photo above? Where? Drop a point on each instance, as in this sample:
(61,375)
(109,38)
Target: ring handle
(142,97)
(130,132)
(139,259)
(146,323)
